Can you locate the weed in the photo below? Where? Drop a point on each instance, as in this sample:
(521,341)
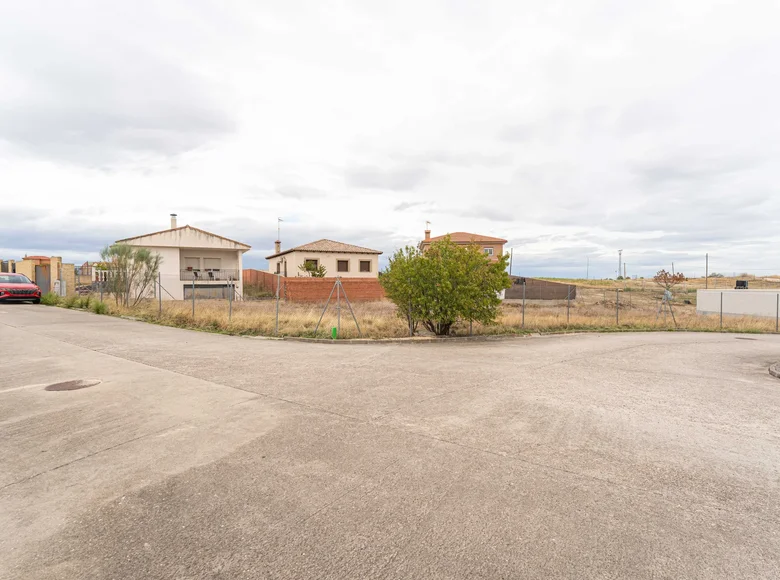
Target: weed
(98,307)
(71,302)
(50,299)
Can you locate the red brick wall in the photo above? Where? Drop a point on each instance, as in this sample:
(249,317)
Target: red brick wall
(318,289)
(261,279)
(300,289)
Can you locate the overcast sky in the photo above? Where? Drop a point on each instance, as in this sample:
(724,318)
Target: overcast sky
(573,129)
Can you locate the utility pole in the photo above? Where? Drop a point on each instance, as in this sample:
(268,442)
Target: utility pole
(511,255)
(620,262)
(624,269)
(706,270)
(587,267)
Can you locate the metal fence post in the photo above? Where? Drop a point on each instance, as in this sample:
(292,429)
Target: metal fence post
(338,308)
(721,310)
(159,291)
(193,297)
(278,282)
(230,300)
(777,313)
(523,303)
(568,303)
(617,307)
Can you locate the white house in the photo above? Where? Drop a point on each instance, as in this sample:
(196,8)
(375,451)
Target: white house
(194,259)
(338,258)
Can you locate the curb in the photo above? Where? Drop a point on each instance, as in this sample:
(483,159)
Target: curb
(414,340)
(774,370)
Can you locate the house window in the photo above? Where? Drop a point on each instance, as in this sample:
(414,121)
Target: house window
(365,265)
(489,251)
(342,265)
(212,264)
(311,263)
(192,264)
(278,267)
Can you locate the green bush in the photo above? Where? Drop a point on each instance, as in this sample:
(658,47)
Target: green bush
(50,299)
(71,302)
(98,307)
(84,302)
(446,284)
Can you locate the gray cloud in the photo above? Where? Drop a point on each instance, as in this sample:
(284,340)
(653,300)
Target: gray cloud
(456,159)
(496,213)
(402,178)
(300,192)
(660,148)
(691,169)
(404,205)
(93,109)
(559,124)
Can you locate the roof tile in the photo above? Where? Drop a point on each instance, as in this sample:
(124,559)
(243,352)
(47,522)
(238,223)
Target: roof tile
(327,246)
(465,237)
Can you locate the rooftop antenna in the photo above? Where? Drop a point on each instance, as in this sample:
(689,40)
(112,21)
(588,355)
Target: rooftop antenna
(278,227)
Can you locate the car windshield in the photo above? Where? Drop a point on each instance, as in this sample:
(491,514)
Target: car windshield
(14,279)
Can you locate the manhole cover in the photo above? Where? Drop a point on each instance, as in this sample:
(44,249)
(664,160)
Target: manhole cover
(72,385)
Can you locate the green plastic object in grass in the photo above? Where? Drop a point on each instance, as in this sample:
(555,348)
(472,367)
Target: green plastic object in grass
(334,333)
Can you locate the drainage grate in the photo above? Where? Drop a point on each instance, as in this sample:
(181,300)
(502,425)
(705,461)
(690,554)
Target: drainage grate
(72,385)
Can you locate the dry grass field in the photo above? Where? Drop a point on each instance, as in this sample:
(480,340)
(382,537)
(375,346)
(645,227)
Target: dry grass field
(593,309)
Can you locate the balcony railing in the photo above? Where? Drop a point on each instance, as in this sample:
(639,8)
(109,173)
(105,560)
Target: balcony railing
(209,275)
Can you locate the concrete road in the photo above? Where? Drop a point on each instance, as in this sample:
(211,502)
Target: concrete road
(207,456)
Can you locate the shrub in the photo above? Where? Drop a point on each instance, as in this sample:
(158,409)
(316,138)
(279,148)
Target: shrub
(445,284)
(98,307)
(71,301)
(50,299)
(84,302)
(131,272)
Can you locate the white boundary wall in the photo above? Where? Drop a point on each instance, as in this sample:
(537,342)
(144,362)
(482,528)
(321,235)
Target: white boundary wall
(738,302)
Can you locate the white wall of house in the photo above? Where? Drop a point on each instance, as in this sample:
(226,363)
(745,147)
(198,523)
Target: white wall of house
(223,256)
(330,261)
(763,302)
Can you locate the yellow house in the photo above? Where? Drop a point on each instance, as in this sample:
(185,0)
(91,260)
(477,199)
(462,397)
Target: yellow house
(338,258)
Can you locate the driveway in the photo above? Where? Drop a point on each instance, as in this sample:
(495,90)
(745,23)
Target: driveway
(204,456)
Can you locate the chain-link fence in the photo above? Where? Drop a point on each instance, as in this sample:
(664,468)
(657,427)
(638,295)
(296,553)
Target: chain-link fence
(528,307)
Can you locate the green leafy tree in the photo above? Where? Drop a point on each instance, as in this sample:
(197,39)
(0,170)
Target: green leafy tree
(446,284)
(309,268)
(484,280)
(131,272)
(400,285)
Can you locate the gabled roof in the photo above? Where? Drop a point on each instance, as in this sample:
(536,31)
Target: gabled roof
(328,246)
(188,227)
(465,238)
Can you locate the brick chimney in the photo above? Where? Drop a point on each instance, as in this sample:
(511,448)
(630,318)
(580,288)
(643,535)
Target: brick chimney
(173,221)
(277,246)
(427,235)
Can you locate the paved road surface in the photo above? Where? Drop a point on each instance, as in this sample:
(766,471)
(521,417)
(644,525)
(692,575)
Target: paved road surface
(206,456)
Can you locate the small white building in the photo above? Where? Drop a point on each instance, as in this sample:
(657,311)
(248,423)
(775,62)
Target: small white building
(194,259)
(338,258)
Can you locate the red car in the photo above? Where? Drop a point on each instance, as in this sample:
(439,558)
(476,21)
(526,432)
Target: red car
(18,287)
